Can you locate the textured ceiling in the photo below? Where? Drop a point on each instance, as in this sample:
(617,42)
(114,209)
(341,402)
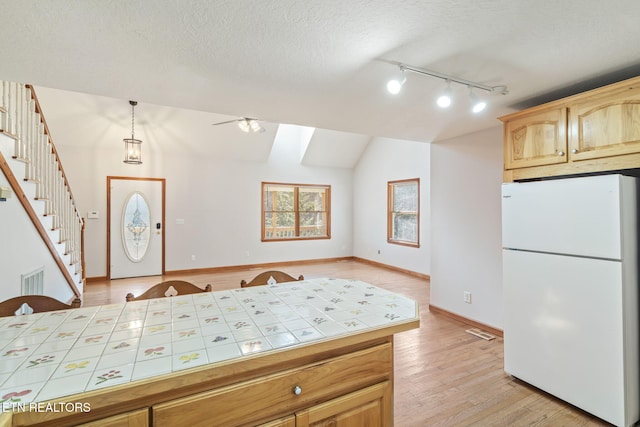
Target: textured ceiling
(322,63)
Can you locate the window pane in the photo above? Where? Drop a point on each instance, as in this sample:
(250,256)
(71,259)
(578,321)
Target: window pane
(279,225)
(405,197)
(135,227)
(311,199)
(313,224)
(405,227)
(278,198)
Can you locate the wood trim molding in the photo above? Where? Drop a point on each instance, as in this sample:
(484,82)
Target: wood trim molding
(271,265)
(17,189)
(495,331)
(392,267)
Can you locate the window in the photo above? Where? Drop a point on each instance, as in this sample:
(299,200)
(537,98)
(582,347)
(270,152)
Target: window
(403,216)
(295,211)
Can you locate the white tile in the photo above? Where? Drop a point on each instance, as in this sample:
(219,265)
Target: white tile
(282,340)
(154,352)
(75,367)
(223,352)
(272,329)
(116,359)
(254,346)
(307,334)
(246,334)
(189,359)
(215,328)
(188,344)
(35,374)
(50,346)
(84,352)
(125,334)
(64,386)
(155,339)
(108,377)
(39,358)
(156,329)
(120,346)
(151,368)
(218,340)
(18,395)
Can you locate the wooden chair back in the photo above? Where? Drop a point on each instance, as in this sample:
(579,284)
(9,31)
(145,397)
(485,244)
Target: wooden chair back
(169,288)
(269,277)
(36,303)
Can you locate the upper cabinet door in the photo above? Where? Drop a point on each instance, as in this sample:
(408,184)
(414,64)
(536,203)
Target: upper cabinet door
(606,125)
(536,139)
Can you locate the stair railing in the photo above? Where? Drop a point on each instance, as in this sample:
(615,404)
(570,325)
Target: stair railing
(22,119)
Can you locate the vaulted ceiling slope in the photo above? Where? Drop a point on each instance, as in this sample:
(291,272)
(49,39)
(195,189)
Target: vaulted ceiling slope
(322,63)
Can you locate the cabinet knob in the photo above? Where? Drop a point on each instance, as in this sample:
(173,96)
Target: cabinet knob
(560,153)
(297,390)
(574,151)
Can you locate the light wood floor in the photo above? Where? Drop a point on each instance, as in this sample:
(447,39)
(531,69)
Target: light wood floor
(444,376)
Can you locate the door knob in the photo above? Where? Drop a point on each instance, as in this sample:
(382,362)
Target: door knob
(574,151)
(560,153)
(297,390)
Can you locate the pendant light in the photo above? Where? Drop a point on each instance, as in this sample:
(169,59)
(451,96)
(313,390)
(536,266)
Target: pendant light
(132,146)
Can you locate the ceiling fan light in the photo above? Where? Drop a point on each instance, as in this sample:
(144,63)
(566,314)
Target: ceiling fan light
(255,126)
(244,125)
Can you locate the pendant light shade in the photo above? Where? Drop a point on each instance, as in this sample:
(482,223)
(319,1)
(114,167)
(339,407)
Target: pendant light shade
(132,146)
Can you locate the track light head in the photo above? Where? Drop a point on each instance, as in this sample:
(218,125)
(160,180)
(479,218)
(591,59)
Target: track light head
(395,84)
(477,104)
(444,100)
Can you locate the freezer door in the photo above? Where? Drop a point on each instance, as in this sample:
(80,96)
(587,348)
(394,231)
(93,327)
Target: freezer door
(570,329)
(577,216)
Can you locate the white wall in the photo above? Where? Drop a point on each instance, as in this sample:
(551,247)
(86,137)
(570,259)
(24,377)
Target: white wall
(217,198)
(466,175)
(22,250)
(387,160)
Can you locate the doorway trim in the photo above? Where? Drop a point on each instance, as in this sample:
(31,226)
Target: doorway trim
(164,222)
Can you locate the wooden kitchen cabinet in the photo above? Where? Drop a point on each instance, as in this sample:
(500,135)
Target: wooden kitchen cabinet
(139,418)
(369,407)
(275,395)
(607,125)
(536,138)
(595,131)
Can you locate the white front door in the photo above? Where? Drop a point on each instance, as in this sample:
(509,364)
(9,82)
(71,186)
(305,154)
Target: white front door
(136,227)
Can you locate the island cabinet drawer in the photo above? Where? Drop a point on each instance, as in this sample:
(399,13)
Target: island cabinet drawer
(275,395)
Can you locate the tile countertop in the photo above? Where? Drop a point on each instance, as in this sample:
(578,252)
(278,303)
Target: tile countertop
(55,354)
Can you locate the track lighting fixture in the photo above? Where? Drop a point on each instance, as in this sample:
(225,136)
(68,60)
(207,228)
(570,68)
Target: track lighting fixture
(445,99)
(395,84)
(477,103)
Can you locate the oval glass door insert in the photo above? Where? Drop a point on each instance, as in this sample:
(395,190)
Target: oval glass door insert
(135,227)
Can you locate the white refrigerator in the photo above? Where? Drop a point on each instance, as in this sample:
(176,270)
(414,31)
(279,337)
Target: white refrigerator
(570,285)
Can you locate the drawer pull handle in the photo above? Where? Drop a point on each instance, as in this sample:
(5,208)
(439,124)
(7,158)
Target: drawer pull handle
(560,153)
(574,151)
(297,390)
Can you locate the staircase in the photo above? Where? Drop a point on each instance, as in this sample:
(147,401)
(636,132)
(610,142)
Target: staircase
(37,179)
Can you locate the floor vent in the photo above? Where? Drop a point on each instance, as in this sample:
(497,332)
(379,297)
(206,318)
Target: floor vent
(33,283)
(481,334)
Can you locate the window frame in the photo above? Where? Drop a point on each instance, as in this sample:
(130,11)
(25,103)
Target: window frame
(296,212)
(390,212)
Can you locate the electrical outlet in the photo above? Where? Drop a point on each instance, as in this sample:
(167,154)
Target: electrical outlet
(467,297)
(378,251)
(193,257)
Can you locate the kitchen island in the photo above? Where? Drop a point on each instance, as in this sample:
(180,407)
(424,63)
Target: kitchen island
(292,354)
